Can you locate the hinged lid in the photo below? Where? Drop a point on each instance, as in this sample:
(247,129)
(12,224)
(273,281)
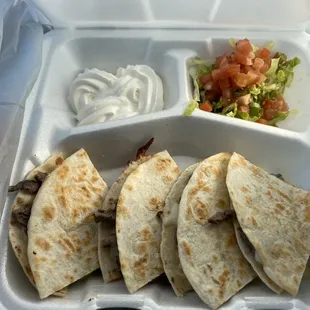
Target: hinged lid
(259,14)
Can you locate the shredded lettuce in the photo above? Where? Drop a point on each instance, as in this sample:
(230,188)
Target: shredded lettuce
(197,68)
(191,108)
(246,116)
(280,117)
(273,68)
(193,72)
(232,43)
(217,106)
(230,110)
(270,45)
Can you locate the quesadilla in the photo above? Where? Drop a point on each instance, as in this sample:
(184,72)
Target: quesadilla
(107,247)
(208,250)
(169,247)
(138,227)
(275,218)
(62,232)
(21,210)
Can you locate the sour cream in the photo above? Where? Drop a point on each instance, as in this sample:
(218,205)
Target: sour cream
(98,96)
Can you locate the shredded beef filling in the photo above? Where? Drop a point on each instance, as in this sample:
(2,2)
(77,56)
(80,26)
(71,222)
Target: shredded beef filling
(22,216)
(143,149)
(221,216)
(105,215)
(29,186)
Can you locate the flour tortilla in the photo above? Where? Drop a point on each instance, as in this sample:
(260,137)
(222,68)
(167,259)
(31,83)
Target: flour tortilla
(169,247)
(62,233)
(138,228)
(275,217)
(209,253)
(249,253)
(17,234)
(107,249)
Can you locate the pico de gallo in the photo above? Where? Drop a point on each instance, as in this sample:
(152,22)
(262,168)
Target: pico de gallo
(247,83)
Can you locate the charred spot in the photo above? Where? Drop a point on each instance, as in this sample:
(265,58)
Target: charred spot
(59,161)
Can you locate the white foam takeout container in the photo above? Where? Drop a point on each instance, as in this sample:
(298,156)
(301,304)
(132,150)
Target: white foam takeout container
(96,34)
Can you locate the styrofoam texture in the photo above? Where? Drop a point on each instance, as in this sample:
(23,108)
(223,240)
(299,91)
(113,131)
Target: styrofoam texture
(49,126)
(263,14)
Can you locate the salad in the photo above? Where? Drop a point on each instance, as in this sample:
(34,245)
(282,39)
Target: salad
(248,83)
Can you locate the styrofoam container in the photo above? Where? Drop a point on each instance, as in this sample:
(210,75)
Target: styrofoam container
(49,126)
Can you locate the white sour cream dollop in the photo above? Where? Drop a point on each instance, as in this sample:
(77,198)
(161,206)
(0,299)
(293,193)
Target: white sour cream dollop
(98,96)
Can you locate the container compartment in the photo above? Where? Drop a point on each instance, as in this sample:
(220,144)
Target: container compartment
(296,95)
(188,140)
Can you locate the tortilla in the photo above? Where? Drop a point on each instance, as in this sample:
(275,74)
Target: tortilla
(138,228)
(208,250)
(107,250)
(22,205)
(62,232)
(169,247)
(275,217)
(249,253)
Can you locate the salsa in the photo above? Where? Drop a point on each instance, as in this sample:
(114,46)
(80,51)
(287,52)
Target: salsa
(247,83)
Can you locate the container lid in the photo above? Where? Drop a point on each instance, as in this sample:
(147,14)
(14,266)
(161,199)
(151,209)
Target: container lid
(262,14)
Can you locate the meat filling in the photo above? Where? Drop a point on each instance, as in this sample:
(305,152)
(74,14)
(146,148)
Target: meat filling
(29,186)
(221,216)
(21,216)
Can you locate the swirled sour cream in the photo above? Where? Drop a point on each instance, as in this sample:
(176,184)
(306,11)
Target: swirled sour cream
(98,96)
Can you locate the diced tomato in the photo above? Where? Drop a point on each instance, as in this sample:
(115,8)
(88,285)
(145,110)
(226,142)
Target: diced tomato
(242,59)
(252,77)
(205,78)
(273,107)
(262,121)
(246,69)
(244,108)
(258,63)
(206,106)
(223,62)
(224,83)
(216,74)
(227,93)
(229,70)
(261,78)
(264,68)
(241,79)
(263,53)
(244,47)
(218,60)
(251,55)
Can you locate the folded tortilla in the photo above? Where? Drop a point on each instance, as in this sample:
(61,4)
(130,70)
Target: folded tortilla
(275,217)
(62,232)
(20,214)
(208,249)
(107,250)
(138,228)
(169,247)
